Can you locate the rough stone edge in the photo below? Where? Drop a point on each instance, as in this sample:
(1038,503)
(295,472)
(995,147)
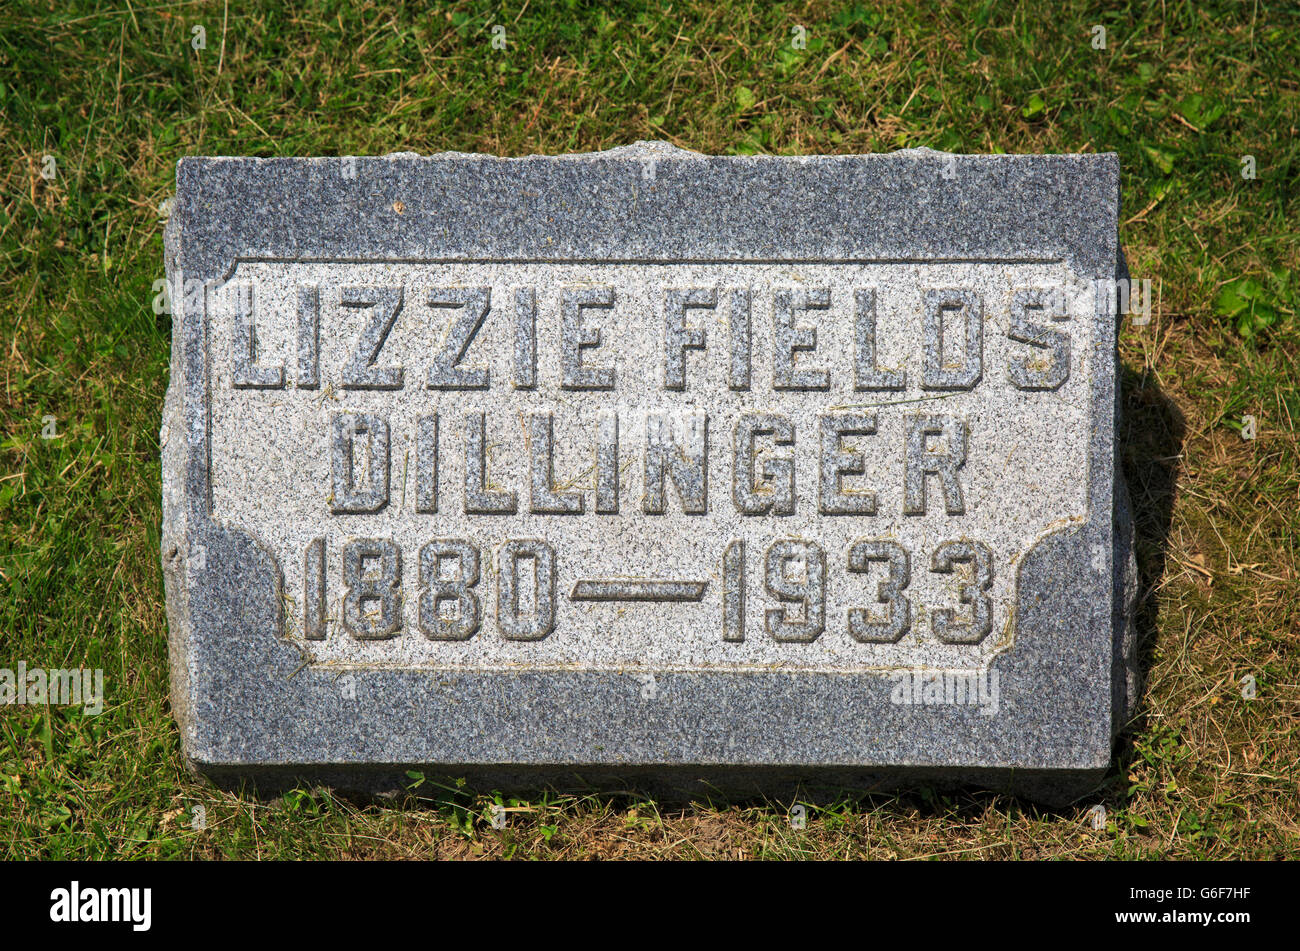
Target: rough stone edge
(1127,676)
(171,441)
(652,150)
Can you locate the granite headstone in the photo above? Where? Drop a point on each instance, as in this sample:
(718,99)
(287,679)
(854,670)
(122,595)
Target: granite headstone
(647,464)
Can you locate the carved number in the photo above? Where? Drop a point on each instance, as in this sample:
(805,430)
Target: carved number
(516,623)
(794,574)
(436,590)
(890,592)
(806,589)
(372,583)
(942,621)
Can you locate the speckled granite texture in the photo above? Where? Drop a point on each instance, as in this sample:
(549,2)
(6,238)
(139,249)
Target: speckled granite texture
(647,466)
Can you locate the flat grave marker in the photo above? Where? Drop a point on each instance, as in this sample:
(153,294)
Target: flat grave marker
(647,462)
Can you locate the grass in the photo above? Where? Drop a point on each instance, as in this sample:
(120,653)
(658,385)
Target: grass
(1182,92)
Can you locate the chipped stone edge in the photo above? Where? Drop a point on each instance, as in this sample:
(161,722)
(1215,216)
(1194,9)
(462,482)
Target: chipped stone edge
(174,452)
(646,150)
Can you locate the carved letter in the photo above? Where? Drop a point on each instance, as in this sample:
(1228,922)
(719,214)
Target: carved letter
(837,462)
(772,488)
(788,339)
(308,338)
(607,462)
(678,335)
(686,461)
(545,500)
(352,493)
(576,336)
(360,372)
(1048,374)
(479,499)
(426,463)
(525,338)
(921,461)
(246,372)
(866,375)
(741,332)
(936,373)
(446,373)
